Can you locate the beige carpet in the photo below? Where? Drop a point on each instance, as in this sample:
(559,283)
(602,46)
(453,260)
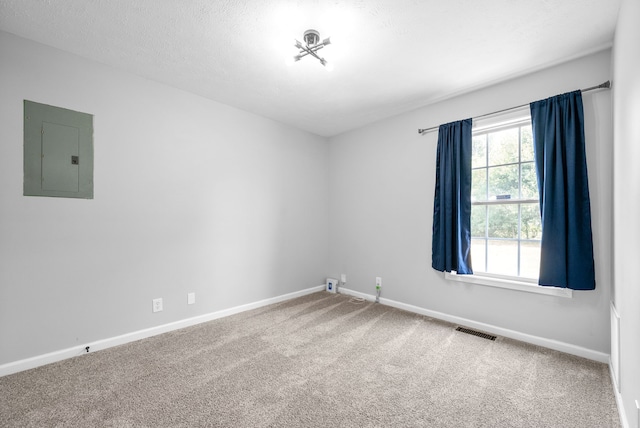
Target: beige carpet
(317,361)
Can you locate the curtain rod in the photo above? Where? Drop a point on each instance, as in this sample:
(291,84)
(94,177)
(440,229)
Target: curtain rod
(605,85)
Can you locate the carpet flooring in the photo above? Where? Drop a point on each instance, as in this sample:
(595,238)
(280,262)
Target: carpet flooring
(322,360)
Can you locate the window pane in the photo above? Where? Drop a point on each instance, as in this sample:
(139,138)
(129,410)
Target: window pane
(479,152)
(503,180)
(529,181)
(530,227)
(503,221)
(478,256)
(503,147)
(530,259)
(479,184)
(527,143)
(502,257)
(478,221)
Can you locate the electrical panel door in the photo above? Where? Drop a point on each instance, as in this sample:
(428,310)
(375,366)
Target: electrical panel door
(58,152)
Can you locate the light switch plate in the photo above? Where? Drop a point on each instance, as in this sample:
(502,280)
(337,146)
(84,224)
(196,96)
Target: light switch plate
(191,298)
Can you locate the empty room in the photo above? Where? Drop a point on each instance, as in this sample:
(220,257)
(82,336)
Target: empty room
(319,213)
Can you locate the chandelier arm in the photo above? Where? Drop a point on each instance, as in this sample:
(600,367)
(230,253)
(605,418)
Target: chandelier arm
(306,50)
(312,53)
(316,47)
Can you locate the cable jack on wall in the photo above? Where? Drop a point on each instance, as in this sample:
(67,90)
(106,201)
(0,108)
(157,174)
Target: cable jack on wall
(311,46)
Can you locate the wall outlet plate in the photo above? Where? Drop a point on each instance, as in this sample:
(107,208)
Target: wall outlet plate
(157,305)
(378,282)
(343,278)
(191,298)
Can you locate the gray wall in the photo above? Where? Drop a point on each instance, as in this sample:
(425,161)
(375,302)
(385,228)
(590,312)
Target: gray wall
(190,196)
(626,66)
(382,186)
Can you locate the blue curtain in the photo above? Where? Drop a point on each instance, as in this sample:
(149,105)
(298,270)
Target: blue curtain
(451,245)
(566,247)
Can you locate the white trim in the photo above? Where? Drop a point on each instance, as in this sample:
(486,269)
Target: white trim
(51,357)
(623,416)
(615,346)
(357,294)
(512,334)
(515,116)
(509,284)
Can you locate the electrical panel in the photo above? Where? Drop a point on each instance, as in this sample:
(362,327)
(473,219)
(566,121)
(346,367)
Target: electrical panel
(58,152)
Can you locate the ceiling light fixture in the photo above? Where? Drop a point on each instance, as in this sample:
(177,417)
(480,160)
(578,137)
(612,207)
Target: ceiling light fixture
(311,46)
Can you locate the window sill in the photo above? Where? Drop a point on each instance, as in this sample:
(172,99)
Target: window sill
(510,284)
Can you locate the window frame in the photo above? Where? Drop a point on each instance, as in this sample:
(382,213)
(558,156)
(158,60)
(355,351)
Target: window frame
(515,124)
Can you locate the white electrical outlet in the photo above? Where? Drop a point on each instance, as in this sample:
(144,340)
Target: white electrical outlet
(191,298)
(343,278)
(157,305)
(378,282)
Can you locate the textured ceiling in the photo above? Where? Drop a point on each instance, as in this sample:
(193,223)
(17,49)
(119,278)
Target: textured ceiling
(390,56)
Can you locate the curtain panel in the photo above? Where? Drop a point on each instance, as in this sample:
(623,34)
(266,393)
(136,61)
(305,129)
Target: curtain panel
(559,144)
(451,244)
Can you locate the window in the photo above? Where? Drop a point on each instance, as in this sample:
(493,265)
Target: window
(505,211)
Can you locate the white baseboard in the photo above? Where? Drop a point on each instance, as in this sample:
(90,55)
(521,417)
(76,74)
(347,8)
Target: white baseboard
(52,357)
(40,360)
(512,334)
(358,294)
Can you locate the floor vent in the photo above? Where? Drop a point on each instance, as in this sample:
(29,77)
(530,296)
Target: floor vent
(476,333)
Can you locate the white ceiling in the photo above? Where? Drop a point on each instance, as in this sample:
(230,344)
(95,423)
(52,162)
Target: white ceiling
(390,56)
